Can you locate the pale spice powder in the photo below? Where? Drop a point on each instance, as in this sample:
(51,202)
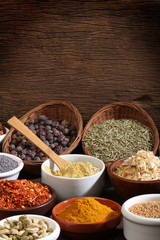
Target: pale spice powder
(75,170)
(146,209)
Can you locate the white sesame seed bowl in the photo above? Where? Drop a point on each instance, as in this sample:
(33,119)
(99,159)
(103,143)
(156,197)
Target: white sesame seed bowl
(10,166)
(141,222)
(46,228)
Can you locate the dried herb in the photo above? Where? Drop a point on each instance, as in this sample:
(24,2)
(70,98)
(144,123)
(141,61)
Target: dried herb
(114,139)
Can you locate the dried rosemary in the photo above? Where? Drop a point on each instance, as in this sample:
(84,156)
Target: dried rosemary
(114,139)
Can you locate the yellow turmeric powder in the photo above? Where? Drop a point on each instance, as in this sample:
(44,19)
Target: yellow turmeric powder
(86,210)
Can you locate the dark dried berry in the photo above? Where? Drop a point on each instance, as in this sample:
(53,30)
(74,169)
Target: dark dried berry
(65,131)
(61,138)
(49,136)
(11,147)
(18,148)
(58,149)
(64,143)
(60,127)
(57,134)
(43,117)
(52,146)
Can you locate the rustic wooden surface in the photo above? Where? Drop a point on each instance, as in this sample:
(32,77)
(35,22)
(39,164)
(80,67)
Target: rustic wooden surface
(88,52)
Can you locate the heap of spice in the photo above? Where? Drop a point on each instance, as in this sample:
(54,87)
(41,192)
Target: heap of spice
(22,193)
(7,164)
(25,228)
(86,210)
(143,166)
(114,139)
(75,170)
(146,209)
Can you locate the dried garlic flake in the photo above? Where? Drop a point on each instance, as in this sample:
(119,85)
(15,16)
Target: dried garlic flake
(144,166)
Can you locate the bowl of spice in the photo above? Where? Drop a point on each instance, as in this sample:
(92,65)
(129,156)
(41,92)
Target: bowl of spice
(57,123)
(87,217)
(29,226)
(82,176)
(119,130)
(24,196)
(141,217)
(10,166)
(135,175)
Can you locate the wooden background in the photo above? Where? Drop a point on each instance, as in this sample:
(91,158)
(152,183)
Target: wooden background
(90,53)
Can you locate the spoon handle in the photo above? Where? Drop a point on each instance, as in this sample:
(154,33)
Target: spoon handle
(19,126)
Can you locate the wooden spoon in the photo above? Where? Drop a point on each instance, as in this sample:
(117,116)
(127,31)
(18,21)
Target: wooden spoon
(19,126)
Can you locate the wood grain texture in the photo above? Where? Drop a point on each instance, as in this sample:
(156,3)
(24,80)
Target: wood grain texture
(88,52)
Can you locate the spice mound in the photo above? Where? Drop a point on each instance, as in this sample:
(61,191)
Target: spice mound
(75,170)
(114,139)
(86,210)
(146,209)
(25,228)
(22,194)
(7,164)
(2,129)
(144,166)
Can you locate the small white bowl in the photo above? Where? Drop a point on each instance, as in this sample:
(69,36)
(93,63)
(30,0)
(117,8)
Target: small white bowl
(3,135)
(13,174)
(75,187)
(52,224)
(140,228)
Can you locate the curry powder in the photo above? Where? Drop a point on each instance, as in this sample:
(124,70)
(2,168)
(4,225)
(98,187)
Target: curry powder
(86,210)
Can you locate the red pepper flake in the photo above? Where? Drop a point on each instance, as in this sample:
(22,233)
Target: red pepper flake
(22,194)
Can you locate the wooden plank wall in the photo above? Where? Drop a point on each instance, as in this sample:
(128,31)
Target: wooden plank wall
(88,52)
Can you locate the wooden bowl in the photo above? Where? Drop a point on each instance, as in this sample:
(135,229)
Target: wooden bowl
(87,231)
(43,209)
(121,110)
(53,110)
(127,188)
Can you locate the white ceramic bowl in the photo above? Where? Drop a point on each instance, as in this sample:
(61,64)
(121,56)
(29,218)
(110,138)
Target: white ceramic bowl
(13,174)
(75,187)
(3,135)
(140,228)
(52,224)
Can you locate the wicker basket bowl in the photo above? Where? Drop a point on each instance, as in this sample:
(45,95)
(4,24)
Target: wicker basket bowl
(53,110)
(122,110)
